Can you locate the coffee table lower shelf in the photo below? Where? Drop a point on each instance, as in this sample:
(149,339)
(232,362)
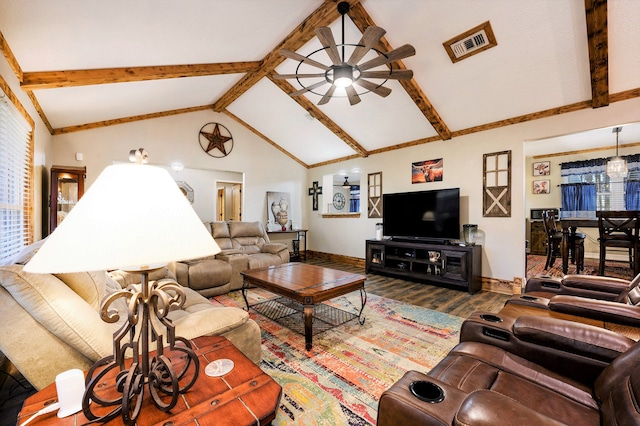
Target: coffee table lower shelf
(304,287)
(289,313)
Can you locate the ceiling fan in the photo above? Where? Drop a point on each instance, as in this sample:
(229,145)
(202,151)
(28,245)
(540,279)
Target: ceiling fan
(347,72)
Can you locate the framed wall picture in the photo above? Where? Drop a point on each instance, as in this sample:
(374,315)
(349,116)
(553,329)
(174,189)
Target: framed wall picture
(541,186)
(427,171)
(186,189)
(278,214)
(542,168)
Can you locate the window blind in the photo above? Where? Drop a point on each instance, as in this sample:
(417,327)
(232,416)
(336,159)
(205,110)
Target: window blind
(16,208)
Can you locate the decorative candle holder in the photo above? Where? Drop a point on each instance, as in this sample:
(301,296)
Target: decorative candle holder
(469,233)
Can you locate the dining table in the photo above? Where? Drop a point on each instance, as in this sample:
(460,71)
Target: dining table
(569,227)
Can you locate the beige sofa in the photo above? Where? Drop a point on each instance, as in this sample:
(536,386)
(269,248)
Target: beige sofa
(244,245)
(51,323)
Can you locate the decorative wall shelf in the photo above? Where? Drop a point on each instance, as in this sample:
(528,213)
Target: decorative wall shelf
(341,215)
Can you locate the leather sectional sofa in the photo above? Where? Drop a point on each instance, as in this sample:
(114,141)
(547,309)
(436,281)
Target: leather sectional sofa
(244,245)
(596,299)
(526,371)
(545,358)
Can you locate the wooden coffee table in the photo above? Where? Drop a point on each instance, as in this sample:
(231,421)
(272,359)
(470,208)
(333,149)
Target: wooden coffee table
(303,288)
(244,396)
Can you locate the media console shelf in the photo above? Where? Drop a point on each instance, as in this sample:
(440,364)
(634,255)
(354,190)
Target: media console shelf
(453,265)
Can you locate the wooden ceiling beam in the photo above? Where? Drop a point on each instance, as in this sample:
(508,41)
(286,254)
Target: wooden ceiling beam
(597,34)
(362,20)
(130,119)
(322,16)
(40,111)
(8,54)
(71,78)
(320,116)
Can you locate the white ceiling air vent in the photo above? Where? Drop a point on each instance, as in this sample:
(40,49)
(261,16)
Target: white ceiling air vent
(470,42)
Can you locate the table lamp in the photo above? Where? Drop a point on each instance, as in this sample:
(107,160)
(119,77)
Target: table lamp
(134,217)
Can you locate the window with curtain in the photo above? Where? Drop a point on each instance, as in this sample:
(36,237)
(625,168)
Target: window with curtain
(632,189)
(16,165)
(586,188)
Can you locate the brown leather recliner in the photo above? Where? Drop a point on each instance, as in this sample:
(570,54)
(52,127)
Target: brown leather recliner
(591,286)
(602,298)
(524,371)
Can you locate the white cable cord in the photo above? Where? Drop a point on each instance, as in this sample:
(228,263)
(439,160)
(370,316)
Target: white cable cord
(45,410)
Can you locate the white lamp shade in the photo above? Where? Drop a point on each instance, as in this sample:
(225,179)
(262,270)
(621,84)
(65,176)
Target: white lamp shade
(133,217)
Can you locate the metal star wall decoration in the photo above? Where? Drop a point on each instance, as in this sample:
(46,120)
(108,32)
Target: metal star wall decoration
(216,140)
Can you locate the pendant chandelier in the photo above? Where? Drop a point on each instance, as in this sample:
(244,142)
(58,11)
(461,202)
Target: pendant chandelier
(617,166)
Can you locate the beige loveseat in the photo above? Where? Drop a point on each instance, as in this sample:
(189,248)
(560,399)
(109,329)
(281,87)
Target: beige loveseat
(244,245)
(51,323)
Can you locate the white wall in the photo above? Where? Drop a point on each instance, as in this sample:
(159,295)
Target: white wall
(503,239)
(175,138)
(42,153)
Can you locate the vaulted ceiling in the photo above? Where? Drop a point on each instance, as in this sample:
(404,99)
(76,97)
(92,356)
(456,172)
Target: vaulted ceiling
(92,63)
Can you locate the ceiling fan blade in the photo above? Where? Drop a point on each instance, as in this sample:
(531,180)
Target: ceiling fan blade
(325,36)
(393,55)
(327,96)
(352,94)
(287,76)
(309,88)
(393,75)
(370,38)
(298,57)
(375,88)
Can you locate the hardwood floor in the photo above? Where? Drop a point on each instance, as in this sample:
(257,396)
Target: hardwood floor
(447,300)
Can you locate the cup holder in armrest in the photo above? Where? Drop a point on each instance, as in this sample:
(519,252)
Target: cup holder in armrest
(427,391)
(491,318)
(530,298)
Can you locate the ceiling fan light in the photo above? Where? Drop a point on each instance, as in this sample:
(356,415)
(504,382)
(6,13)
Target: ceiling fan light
(343,76)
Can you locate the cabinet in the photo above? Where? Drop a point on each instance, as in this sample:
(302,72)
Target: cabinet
(537,238)
(67,186)
(451,265)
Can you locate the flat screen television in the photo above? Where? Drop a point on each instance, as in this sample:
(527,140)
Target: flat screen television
(428,215)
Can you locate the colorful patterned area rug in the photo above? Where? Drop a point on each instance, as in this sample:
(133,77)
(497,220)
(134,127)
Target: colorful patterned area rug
(339,381)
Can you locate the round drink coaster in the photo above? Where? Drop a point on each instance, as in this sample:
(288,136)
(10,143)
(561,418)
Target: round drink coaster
(219,367)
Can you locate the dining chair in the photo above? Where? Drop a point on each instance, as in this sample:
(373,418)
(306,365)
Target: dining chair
(619,229)
(554,239)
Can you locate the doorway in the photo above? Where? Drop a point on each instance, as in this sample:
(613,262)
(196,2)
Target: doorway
(229,201)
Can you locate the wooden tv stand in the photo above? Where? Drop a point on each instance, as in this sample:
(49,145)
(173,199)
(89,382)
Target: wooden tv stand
(457,265)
